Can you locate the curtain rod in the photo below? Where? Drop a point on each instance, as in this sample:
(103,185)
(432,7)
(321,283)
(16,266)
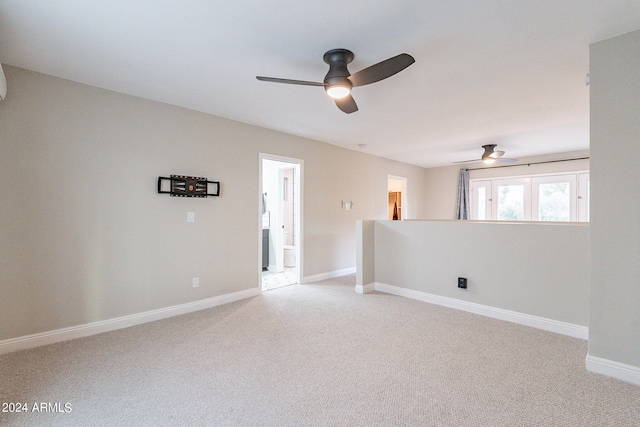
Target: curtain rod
(529,164)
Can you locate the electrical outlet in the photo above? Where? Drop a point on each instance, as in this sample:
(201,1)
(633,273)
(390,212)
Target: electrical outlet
(462,282)
(195,282)
(191,217)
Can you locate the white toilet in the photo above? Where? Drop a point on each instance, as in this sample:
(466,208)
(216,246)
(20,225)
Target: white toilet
(289,260)
(289,256)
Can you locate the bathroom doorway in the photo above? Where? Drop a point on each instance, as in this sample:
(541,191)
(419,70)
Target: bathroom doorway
(396,197)
(280,203)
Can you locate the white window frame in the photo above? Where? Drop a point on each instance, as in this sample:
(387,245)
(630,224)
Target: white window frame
(579,194)
(584,191)
(475,187)
(572,179)
(526,197)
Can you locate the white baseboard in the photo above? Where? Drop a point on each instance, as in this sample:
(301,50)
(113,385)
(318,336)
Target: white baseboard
(363,289)
(551,325)
(620,371)
(64,334)
(328,275)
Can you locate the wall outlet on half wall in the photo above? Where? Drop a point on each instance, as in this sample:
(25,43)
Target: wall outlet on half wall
(462,282)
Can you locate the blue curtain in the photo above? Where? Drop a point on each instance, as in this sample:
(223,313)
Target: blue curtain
(462,211)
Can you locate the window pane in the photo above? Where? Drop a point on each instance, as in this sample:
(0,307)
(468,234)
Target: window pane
(511,202)
(554,203)
(482,203)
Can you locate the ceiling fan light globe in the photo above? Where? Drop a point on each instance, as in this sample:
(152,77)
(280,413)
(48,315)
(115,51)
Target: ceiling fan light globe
(488,160)
(338,91)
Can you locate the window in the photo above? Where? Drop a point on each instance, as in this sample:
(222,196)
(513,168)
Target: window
(512,199)
(560,197)
(481,194)
(555,198)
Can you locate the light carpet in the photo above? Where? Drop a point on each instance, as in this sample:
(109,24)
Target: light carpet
(317,355)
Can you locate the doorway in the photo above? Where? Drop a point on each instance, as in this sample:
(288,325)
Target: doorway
(280,262)
(396,197)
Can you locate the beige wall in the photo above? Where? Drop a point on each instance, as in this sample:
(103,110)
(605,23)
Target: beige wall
(442,192)
(84,237)
(614,316)
(442,183)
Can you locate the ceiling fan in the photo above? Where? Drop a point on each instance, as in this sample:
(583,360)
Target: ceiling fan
(490,156)
(338,82)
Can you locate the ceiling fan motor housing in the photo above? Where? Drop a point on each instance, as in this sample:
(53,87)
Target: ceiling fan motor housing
(488,151)
(338,74)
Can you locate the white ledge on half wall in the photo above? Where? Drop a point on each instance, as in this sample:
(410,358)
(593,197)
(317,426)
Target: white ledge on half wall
(550,325)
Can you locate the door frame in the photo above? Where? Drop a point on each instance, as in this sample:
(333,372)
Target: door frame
(298,164)
(403,194)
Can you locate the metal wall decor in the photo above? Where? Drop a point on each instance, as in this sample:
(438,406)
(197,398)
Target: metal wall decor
(188,186)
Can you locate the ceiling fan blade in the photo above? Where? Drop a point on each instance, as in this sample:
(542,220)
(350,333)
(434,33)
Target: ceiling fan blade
(496,154)
(498,160)
(381,70)
(467,161)
(288,81)
(347,104)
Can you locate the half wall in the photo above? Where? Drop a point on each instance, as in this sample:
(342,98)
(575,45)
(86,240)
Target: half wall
(530,273)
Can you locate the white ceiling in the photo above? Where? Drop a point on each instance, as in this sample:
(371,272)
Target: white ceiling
(507,72)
